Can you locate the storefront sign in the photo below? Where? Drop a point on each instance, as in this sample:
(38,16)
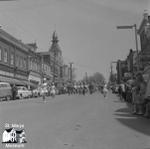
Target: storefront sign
(34,78)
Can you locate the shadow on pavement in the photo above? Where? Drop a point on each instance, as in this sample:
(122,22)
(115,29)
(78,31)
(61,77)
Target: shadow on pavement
(137,123)
(124,110)
(124,115)
(118,101)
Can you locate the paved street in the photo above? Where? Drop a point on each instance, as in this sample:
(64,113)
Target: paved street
(77,122)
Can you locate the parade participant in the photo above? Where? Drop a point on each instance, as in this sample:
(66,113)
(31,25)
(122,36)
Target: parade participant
(105,90)
(91,88)
(78,88)
(53,90)
(83,89)
(69,89)
(43,93)
(75,88)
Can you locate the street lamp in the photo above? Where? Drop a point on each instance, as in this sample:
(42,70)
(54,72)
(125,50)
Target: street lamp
(136,40)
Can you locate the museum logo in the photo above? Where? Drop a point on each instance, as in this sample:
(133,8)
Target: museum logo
(14,136)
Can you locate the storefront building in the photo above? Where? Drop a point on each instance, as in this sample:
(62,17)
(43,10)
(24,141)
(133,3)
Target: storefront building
(144,33)
(34,65)
(13,59)
(52,62)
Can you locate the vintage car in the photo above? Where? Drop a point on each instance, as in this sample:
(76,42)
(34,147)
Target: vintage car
(23,92)
(5,91)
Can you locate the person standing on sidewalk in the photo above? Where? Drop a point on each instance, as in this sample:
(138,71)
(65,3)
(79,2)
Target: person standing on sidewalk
(139,95)
(120,92)
(123,91)
(14,92)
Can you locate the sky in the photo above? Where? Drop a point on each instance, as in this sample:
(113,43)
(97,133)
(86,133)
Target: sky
(86,28)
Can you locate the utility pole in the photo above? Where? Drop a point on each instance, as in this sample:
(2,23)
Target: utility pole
(136,40)
(71,63)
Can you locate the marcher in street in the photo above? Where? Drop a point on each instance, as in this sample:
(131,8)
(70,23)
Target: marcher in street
(91,88)
(105,90)
(43,94)
(53,90)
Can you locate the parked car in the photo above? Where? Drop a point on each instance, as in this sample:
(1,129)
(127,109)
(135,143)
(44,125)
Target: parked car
(5,91)
(23,92)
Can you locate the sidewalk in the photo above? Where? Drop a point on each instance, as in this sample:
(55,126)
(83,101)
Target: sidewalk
(125,117)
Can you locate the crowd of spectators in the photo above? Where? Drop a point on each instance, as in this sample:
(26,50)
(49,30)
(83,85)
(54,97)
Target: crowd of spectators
(135,92)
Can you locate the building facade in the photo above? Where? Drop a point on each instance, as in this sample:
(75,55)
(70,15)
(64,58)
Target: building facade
(34,65)
(66,73)
(56,59)
(52,61)
(121,70)
(144,33)
(21,63)
(13,59)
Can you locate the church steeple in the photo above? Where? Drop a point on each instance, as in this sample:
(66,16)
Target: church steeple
(55,38)
(55,46)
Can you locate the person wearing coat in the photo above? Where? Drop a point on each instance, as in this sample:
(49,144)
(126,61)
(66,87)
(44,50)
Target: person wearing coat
(139,95)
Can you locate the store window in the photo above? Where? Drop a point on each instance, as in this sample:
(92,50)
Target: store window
(17,61)
(21,62)
(5,56)
(12,59)
(25,63)
(0,54)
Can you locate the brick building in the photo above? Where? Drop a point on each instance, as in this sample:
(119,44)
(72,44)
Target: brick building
(53,61)
(34,65)
(21,63)
(144,33)
(13,59)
